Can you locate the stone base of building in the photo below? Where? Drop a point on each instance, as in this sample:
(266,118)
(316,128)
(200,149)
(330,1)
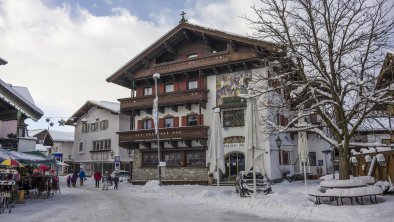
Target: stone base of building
(172,182)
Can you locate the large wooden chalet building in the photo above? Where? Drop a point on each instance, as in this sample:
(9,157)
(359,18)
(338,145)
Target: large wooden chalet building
(200,68)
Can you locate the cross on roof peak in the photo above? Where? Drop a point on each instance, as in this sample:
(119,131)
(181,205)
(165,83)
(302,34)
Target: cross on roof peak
(183,20)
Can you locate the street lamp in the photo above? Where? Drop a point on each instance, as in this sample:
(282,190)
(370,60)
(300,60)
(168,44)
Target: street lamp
(112,153)
(278,142)
(69,156)
(156,76)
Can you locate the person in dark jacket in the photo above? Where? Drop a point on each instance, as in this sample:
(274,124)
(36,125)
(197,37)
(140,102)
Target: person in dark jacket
(81,177)
(69,181)
(97,178)
(74,179)
(116,181)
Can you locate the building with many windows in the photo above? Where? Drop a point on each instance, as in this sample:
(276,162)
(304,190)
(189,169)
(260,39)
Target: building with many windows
(95,138)
(200,68)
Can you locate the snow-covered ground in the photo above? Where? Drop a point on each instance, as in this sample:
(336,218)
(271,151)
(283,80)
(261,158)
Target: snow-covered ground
(288,202)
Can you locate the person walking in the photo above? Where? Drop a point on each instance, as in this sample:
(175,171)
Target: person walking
(116,181)
(97,178)
(69,181)
(105,180)
(81,177)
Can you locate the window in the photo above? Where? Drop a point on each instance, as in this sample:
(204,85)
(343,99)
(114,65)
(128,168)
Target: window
(193,55)
(286,157)
(147,91)
(196,158)
(147,124)
(192,84)
(169,122)
(173,158)
(101,145)
(85,127)
(81,146)
(169,88)
(103,124)
(233,118)
(312,158)
(94,126)
(192,120)
(149,159)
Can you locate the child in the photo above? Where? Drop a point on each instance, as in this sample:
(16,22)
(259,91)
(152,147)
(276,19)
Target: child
(69,181)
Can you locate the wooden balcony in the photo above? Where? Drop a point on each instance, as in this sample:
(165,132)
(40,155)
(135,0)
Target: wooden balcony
(193,96)
(166,134)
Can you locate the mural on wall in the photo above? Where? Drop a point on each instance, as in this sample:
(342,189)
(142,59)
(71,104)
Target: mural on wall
(234,139)
(231,84)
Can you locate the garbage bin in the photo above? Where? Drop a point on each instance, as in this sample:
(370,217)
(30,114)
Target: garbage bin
(21,195)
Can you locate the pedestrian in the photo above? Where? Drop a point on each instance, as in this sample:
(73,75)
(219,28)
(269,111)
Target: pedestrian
(116,181)
(97,178)
(105,180)
(74,179)
(81,177)
(69,181)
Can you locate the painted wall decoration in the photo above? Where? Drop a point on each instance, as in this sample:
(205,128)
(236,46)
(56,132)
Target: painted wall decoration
(231,84)
(234,139)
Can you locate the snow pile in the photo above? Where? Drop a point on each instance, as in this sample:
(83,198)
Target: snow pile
(152,185)
(386,186)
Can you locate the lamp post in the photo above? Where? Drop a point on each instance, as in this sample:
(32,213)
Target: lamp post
(278,142)
(156,76)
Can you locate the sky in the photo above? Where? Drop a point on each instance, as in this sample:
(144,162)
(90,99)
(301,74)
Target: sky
(64,50)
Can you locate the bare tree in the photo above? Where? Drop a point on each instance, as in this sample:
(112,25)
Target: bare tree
(333,50)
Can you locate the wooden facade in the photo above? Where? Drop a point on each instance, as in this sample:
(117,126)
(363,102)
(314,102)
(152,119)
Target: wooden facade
(380,172)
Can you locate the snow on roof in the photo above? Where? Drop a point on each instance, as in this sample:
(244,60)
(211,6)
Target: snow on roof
(23,94)
(112,106)
(377,124)
(60,136)
(35,132)
(42,148)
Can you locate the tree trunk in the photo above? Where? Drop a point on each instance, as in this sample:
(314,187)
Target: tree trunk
(344,161)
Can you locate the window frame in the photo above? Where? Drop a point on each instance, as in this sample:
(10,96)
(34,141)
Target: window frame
(312,156)
(236,120)
(172,122)
(288,154)
(169,84)
(177,162)
(153,155)
(148,92)
(188,121)
(203,160)
(145,124)
(192,81)
(81,148)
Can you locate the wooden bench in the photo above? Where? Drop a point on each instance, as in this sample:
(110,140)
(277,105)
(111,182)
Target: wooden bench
(336,194)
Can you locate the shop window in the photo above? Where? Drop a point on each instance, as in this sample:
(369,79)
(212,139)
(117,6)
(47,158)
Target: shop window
(233,118)
(192,84)
(312,158)
(147,124)
(196,158)
(149,159)
(192,120)
(169,122)
(169,88)
(147,91)
(173,158)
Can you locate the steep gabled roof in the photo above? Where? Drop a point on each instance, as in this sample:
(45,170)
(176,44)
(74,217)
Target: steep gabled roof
(113,107)
(20,99)
(3,61)
(61,136)
(180,30)
(386,74)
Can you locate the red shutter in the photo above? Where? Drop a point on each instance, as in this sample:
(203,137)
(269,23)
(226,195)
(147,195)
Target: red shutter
(183,85)
(161,88)
(140,124)
(176,121)
(184,120)
(153,90)
(200,120)
(152,124)
(282,120)
(176,86)
(286,121)
(161,122)
(140,91)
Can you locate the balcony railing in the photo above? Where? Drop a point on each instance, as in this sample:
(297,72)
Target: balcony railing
(165,99)
(176,133)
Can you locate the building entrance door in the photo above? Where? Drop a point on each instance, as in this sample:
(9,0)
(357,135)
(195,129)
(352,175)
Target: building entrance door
(234,162)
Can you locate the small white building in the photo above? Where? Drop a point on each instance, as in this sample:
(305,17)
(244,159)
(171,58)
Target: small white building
(95,138)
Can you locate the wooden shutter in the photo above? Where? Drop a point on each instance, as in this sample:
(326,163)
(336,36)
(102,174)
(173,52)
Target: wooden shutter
(200,120)
(140,91)
(161,122)
(152,124)
(183,85)
(161,88)
(184,120)
(282,120)
(140,124)
(176,121)
(176,86)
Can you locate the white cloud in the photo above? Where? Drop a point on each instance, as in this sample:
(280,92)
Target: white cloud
(64,54)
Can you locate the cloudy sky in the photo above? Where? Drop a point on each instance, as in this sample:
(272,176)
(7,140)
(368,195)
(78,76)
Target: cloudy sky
(64,50)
